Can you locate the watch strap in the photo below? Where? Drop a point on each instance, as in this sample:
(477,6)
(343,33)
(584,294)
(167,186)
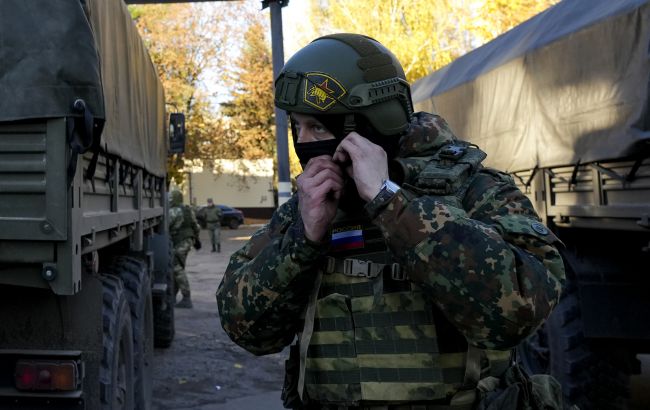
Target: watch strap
(386,193)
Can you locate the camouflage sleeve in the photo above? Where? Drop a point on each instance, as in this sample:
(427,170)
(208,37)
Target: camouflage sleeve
(267,284)
(200,214)
(195,224)
(175,218)
(487,262)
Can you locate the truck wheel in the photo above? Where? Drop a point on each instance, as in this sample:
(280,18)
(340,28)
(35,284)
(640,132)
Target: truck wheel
(164,308)
(116,371)
(592,376)
(137,284)
(233,223)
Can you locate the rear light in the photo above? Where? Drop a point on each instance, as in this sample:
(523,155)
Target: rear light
(59,375)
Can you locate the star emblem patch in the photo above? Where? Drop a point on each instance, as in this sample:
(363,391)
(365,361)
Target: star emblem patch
(322,91)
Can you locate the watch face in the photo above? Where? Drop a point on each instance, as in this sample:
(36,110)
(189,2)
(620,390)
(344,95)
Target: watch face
(391,186)
(388,190)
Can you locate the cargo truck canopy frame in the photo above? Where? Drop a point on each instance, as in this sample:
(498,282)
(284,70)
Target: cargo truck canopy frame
(55,52)
(569,85)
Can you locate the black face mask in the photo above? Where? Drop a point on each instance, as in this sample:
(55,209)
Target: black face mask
(335,124)
(309,150)
(390,144)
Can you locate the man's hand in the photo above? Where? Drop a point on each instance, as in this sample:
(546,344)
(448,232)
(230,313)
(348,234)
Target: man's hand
(369,166)
(319,190)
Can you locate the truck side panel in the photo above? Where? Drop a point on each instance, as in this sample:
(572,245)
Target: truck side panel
(32,158)
(604,195)
(47,223)
(36,214)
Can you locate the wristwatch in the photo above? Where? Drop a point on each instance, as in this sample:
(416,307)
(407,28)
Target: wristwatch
(387,191)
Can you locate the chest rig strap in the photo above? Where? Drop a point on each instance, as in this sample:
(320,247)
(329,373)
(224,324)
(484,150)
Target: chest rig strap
(363,268)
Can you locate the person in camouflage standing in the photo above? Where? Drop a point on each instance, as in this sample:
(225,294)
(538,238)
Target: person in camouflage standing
(184,231)
(403,269)
(211,215)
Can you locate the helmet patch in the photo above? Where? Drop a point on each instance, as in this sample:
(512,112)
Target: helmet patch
(322,91)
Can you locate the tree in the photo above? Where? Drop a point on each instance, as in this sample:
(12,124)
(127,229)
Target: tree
(498,16)
(186,42)
(425,35)
(250,112)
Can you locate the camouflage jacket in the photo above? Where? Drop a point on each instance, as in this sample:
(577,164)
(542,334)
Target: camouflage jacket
(182,223)
(484,259)
(211,215)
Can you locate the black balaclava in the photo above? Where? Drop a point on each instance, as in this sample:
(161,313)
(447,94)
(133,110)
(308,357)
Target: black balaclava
(308,150)
(390,143)
(350,200)
(335,125)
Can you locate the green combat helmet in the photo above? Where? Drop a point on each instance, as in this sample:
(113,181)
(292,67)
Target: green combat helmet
(175,198)
(350,75)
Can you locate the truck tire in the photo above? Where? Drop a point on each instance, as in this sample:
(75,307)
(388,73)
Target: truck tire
(163,308)
(592,376)
(133,272)
(116,370)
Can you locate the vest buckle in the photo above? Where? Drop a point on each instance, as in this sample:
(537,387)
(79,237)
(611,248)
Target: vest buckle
(396,273)
(357,267)
(452,152)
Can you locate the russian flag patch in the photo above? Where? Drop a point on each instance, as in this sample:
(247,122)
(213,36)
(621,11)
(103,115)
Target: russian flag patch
(345,238)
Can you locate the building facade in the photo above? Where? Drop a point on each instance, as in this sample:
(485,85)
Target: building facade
(243,184)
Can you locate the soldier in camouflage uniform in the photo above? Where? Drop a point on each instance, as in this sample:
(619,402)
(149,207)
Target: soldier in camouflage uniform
(403,269)
(211,216)
(184,231)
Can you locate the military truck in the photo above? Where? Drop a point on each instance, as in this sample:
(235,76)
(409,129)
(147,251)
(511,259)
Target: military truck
(86,288)
(561,103)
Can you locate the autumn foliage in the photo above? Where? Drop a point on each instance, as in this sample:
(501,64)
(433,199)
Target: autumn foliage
(227,44)
(425,35)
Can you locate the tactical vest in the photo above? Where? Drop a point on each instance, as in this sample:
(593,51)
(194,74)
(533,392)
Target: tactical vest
(370,333)
(186,230)
(447,172)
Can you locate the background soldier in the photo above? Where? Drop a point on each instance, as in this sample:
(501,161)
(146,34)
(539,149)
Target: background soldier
(405,268)
(184,231)
(210,216)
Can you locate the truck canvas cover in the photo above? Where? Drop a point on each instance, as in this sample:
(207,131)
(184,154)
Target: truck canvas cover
(569,85)
(55,52)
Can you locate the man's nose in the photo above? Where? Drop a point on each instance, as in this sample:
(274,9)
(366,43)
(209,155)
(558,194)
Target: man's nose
(304,136)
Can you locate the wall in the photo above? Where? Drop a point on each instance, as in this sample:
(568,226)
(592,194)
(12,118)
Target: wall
(242,184)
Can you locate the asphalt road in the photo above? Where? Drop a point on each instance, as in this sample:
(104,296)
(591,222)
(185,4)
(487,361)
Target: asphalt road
(204,369)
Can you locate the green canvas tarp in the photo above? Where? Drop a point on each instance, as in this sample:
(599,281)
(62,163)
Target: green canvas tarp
(569,85)
(54,52)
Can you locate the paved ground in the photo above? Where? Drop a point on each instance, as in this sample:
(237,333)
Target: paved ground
(204,369)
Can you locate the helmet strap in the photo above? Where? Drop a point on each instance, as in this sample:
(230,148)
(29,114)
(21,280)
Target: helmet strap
(349,125)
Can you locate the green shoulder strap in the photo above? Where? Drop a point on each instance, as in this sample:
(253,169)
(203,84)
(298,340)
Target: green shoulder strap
(307,331)
(467,394)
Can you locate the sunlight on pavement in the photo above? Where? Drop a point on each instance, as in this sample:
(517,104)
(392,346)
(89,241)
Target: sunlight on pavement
(240,238)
